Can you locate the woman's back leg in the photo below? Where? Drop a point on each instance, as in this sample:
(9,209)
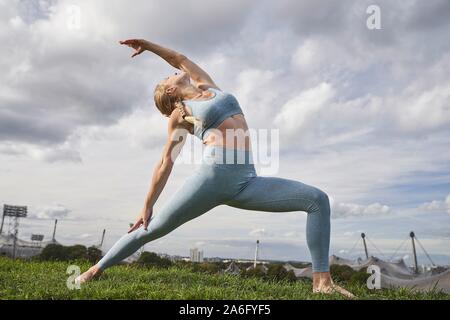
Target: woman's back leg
(275,194)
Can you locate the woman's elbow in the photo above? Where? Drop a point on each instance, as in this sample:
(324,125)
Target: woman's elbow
(177,61)
(166,165)
(180,58)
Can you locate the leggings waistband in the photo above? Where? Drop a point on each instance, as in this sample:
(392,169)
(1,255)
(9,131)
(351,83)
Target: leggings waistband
(222,155)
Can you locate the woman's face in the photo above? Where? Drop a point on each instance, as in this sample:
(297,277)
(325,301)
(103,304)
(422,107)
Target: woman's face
(177,80)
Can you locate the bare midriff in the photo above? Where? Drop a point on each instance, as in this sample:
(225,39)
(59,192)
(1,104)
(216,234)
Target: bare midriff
(232,133)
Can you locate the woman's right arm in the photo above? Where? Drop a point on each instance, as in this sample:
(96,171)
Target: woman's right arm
(176,139)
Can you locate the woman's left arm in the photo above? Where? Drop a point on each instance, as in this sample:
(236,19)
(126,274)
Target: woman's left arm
(176,139)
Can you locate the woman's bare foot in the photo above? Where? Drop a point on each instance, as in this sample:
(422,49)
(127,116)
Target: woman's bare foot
(322,283)
(91,274)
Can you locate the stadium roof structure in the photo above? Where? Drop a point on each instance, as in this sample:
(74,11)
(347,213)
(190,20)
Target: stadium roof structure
(393,274)
(8,239)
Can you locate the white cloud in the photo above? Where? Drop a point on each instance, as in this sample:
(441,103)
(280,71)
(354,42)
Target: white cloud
(256,90)
(200,243)
(345,210)
(423,110)
(324,57)
(294,234)
(145,128)
(67,151)
(259,232)
(298,112)
(53,211)
(437,205)
(349,233)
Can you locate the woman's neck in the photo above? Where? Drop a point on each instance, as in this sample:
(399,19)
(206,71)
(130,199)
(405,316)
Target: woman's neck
(191,92)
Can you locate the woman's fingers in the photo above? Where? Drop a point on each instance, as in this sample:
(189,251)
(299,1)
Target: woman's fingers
(136,44)
(128,41)
(136,225)
(144,219)
(138,51)
(147,214)
(146,222)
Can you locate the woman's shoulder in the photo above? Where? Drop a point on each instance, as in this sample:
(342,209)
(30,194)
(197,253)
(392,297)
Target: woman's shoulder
(208,86)
(177,121)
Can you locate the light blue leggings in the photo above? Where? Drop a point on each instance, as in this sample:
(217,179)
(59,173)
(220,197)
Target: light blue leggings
(219,181)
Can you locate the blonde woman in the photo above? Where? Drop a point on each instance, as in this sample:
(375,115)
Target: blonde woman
(226,175)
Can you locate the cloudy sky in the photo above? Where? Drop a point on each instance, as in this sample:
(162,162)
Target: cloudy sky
(362,113)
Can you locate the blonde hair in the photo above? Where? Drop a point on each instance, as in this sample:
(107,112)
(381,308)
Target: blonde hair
(166,103)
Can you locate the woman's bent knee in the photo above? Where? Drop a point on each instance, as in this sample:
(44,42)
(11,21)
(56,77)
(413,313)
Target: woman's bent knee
(320,199)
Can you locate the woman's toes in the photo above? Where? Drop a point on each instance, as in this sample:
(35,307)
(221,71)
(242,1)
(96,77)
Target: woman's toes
(85,277)
(333,289)
(80,279)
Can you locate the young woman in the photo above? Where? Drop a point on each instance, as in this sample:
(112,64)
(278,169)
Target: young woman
(226,175)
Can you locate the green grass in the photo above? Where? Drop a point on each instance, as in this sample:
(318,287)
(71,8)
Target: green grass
(47,280)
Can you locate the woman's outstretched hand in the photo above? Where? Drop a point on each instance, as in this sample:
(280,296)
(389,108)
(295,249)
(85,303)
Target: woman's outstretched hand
(137,44)
(143,219)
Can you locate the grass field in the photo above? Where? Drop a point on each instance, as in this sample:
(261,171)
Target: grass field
(47,280)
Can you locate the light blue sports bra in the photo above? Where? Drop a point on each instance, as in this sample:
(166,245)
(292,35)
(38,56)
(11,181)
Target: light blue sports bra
(212,112)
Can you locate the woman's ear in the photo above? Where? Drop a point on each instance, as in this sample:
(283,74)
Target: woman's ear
(171,90)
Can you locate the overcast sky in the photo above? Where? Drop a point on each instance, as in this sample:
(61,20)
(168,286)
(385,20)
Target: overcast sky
(361,113)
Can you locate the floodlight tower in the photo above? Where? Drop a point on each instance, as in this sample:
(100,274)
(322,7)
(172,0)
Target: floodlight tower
(54,231)
(363,236)
(103,238)
(3,221)
(412,235)
(256,253)
(14,212)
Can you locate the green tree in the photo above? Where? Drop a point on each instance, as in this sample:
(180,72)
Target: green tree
(77,252)
(94,254)
(341,272)
(359,277)
(257,272)
(152,259)
(206,267)
(54,252)
(278,272)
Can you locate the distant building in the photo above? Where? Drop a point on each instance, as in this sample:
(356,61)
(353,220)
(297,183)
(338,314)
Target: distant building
(196,255)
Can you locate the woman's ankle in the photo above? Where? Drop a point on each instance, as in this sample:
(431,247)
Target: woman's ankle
(321,279)
(95,270)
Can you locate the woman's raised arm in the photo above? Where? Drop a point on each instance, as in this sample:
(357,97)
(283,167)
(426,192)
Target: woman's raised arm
(140,45)
(174,58)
